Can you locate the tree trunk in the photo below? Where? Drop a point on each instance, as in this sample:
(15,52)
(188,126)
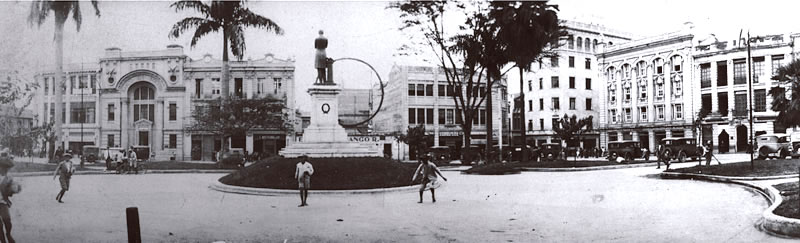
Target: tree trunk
(488,119)
(59,81)
(522,123)
(226,72)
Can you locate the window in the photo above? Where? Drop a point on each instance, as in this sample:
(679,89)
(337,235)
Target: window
(541,83)
(110,110)
(677,111)
(450,117)
(554,82)
(643,92)
(541,104)
(571,82)
(46,85)
(173,141)
(705,75)
(412,116)
(572,103)
(93,83)
(459,119)
(173,111)
(677,62)
(660,112)
(660,90)
(530,105)
(420,116)
(586,44)
(71,84)
(110,140)
(739,72)
(530,85)
(588,104)
(677,87)
(722,103)
(740,103)
(429,90)
(215,86)
(627,93)
(238,87)
(442,116)
(530,125)
(572,61)
(482,115)
(777,62)
(556,106)
(613,115)
(588,63)
(198,87)
(643,114)
(659,66)
(260,89)
(594,45)
(554,61)
(451,90)
(612,95)
(571,42)
(760,99)
(428,116)
(412,89)
(81,112)
(580,43)
(541,124)
(588,83)
(277,84)
(758,68)
(722,73)
(628,115)
(143,111)
(554,123)
(442,90)
(420,90)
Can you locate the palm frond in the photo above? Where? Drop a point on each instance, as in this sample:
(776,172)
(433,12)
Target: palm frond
(202,30)
(76,14)
(196,5)
(247,18)
(39,11)
(236,41)
(186,24)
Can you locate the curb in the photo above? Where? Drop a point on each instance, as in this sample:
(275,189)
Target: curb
(219,186)
(100,172)
(772,223)
(591,168)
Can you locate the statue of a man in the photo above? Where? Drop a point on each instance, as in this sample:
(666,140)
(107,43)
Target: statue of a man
(321,60)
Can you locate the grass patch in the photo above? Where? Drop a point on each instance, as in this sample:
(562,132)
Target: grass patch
(742,169)
(789,207)
(329,174)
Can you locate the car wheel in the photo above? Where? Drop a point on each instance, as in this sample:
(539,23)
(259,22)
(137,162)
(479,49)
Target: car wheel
(763,153)
(628,156)
(682,157)
(613,156)
(782,154)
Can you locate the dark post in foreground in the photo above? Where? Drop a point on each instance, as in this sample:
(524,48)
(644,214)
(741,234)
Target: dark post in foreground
(134,233)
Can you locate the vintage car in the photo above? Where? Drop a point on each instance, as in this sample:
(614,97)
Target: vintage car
(773,145)
(550,150)
(472,154)
(629,150)
(681,149)
(91,153)
(795,138)
(440,155)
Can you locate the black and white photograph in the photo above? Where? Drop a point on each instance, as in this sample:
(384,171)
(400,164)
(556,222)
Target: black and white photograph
(399,121)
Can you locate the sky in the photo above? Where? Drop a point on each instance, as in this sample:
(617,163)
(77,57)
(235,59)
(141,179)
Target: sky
(358,29)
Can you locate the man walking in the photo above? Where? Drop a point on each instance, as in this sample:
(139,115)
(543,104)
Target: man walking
(429,174)
(64,170)
(303,173)
(708,153)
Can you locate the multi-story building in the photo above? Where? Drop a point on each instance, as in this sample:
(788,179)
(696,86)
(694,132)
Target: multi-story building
(645,94)
(420,95)
(722,87)
(146,98)
(567,83)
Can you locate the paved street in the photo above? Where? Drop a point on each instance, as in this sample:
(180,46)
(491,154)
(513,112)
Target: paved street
(612,205)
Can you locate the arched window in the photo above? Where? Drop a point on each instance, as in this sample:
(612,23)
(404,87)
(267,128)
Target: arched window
(677,63)
(580,43)
(143,93)
(570,42)
(594,45)
(587,44)
(144,103)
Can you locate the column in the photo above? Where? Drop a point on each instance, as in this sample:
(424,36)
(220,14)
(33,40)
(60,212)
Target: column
(158,127)
(124,116)
(248,89)
(652,136)
(249,143)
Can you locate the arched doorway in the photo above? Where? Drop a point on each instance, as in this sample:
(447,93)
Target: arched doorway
(741,138)
(724,141)
(143,114)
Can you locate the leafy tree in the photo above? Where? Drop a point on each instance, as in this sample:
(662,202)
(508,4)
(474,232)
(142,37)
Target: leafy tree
(569,129)
(39,11)
(16,95)
(228,17)
(530,30)
(233,117)
(788,109)
(416,138)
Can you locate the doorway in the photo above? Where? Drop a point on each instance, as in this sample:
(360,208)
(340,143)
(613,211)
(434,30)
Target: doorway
(197,149)
(724,141)
(741,138)
(144,138)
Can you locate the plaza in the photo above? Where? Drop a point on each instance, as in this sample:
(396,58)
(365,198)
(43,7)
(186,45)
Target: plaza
(629,205)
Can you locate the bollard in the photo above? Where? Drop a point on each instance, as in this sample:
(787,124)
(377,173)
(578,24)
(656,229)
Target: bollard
(134,233)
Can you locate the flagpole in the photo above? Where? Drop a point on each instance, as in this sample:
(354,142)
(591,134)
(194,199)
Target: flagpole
(750,98)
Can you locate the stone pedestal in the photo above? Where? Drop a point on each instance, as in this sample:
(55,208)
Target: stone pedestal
(324,137)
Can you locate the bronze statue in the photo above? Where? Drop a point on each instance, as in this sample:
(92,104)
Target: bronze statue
(322,62)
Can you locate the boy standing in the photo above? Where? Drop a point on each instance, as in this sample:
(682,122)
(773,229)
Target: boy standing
(303,174)
(64,170)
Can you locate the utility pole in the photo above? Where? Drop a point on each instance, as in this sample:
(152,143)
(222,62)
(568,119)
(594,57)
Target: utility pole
(750,97)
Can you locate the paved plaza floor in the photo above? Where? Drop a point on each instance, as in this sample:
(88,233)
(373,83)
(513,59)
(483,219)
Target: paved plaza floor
(626,205)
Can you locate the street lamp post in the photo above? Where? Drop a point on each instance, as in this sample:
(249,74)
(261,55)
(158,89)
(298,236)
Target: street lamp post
(750,98)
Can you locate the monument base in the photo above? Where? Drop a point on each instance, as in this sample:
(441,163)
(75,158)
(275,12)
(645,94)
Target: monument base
(324,137)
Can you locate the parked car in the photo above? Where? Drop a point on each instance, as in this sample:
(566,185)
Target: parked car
(471,154)
(773,145)
(91,153)
(681,149)
(233,157)
(795,138)
(440,155)
(550,150)
(629,150)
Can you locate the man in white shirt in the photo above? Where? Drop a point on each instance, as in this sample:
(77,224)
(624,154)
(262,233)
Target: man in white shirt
(303,174)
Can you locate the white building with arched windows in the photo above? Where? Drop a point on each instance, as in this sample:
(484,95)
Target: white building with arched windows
(146,98)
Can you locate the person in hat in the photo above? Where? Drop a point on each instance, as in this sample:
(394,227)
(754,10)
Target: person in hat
(8,187)
(430,174)
(64,170)
(303,174)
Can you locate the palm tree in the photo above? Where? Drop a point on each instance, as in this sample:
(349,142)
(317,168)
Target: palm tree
(527,29)
(229,17)
(40,9)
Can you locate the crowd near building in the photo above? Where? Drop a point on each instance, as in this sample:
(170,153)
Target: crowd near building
(421,95)
(566,84)
(146,99)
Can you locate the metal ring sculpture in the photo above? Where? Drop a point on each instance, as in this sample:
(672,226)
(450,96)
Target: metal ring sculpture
(380,81)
